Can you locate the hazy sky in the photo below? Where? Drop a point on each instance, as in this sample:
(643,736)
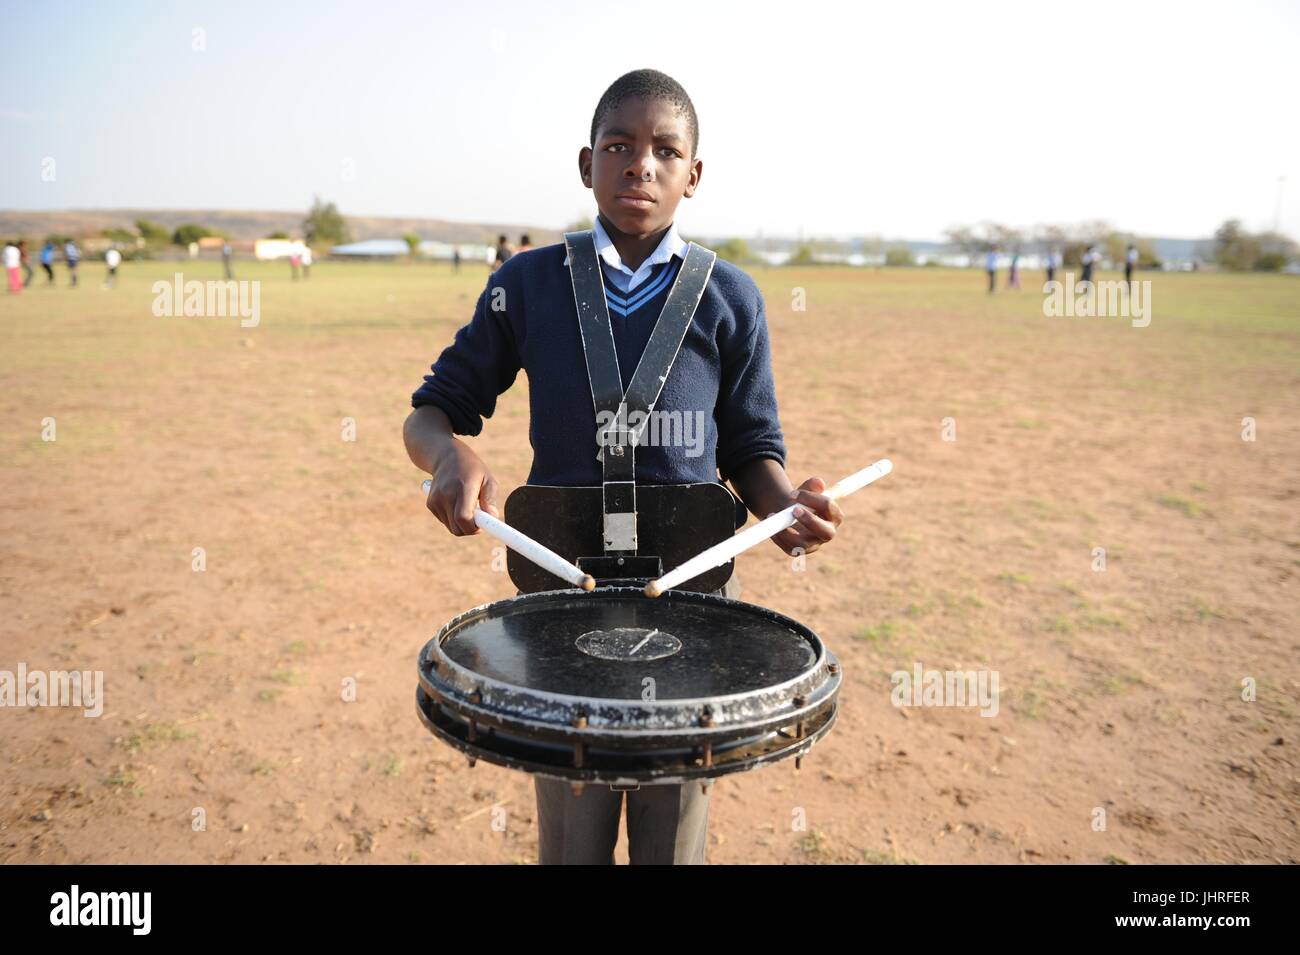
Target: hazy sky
(834,119)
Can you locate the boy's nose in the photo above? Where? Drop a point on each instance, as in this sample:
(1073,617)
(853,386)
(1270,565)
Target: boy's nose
(642,169)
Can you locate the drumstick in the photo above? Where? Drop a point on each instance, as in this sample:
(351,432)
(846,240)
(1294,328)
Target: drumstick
(543,557)
(719,554)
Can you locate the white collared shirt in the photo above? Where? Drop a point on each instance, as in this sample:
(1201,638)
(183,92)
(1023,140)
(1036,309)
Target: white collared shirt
(623,278)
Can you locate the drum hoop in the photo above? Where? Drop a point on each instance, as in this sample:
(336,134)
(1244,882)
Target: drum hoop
(464,680)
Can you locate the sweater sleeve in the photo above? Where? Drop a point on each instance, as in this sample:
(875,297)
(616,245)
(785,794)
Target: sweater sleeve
(748,425)
(480,363)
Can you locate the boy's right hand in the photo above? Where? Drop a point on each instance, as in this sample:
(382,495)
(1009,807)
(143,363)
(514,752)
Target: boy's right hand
(461,483)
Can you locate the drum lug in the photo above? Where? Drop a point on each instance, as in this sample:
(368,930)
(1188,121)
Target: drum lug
(579,722)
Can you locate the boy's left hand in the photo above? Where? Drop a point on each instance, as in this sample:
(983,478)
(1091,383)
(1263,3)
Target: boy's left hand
(815,519)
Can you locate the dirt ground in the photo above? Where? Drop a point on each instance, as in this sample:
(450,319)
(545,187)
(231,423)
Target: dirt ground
(1121,689)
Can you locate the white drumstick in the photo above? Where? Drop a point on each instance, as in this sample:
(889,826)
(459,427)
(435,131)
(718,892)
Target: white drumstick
(543,557)
(719,554)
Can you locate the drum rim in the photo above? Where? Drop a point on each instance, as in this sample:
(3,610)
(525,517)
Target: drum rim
(467,681)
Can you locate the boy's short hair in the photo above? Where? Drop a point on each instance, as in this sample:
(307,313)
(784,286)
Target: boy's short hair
(647,84)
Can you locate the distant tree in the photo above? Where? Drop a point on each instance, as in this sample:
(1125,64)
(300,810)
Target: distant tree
(1234,248)
(125,236)
(899,255)
(190,232)
(412,243)
(1275,251)
(803,255)
(59,240)
(153,233)
(735,250)
(963,239)
(580,225)
(278,234)
(325,225)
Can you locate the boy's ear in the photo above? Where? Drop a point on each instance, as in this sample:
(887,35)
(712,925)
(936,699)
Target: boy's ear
(584,165)
(693,181)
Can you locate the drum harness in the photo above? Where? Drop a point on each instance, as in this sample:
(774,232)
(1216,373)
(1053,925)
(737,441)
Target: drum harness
(618,478)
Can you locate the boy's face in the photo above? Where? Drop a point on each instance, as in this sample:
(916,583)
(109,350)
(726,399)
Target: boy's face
(641,166)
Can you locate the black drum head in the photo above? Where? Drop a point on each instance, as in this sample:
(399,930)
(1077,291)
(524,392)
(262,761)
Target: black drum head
(634,648)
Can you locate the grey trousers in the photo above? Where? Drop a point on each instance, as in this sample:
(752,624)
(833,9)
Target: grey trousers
(666,825)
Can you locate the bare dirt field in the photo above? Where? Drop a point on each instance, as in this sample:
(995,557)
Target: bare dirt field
(1122,734)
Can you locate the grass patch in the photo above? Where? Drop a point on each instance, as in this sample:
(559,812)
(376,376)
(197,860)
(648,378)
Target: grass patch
(882,632)
(1188,507)
(154,733)
(125,782)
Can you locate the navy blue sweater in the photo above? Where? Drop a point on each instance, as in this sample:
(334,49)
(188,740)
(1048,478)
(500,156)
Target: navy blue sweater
(526,318)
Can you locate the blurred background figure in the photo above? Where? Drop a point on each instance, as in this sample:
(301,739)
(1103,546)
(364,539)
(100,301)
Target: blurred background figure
(71,255)
(503,253)
(112,258)
(1089,259)
(1130,262)
(991,267)
(525,243)
(12,257)
(306,261)
(1049,259)
(295,259)
(455,259)
(47,261)
(1013,274)
(225,260)
(25,262)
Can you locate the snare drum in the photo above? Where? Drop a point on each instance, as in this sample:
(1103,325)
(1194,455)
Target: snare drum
(615,687)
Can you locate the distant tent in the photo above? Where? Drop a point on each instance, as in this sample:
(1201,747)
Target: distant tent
(373,249)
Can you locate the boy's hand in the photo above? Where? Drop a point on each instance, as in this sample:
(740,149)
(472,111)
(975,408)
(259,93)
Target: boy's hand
(461,483)
(815,519)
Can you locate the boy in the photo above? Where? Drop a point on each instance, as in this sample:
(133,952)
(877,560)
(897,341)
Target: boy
(112,258)
(71,255)
(640,164)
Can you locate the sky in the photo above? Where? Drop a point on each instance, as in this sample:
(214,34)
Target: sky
(816,119)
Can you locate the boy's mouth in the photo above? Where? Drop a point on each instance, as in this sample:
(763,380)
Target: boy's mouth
(635,198)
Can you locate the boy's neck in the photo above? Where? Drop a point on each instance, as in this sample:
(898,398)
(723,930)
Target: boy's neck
(633,249)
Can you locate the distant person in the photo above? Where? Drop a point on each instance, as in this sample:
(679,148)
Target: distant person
(226,252)
(525,243)
(1130,262)
(112,258)
(71,255)
(11,258)
(1089,258)
(1013,274)
(47,261)
(306,261)
(503,253)
(455,259)
(991,267)
(25,262)
(1049,261)
(295,259)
